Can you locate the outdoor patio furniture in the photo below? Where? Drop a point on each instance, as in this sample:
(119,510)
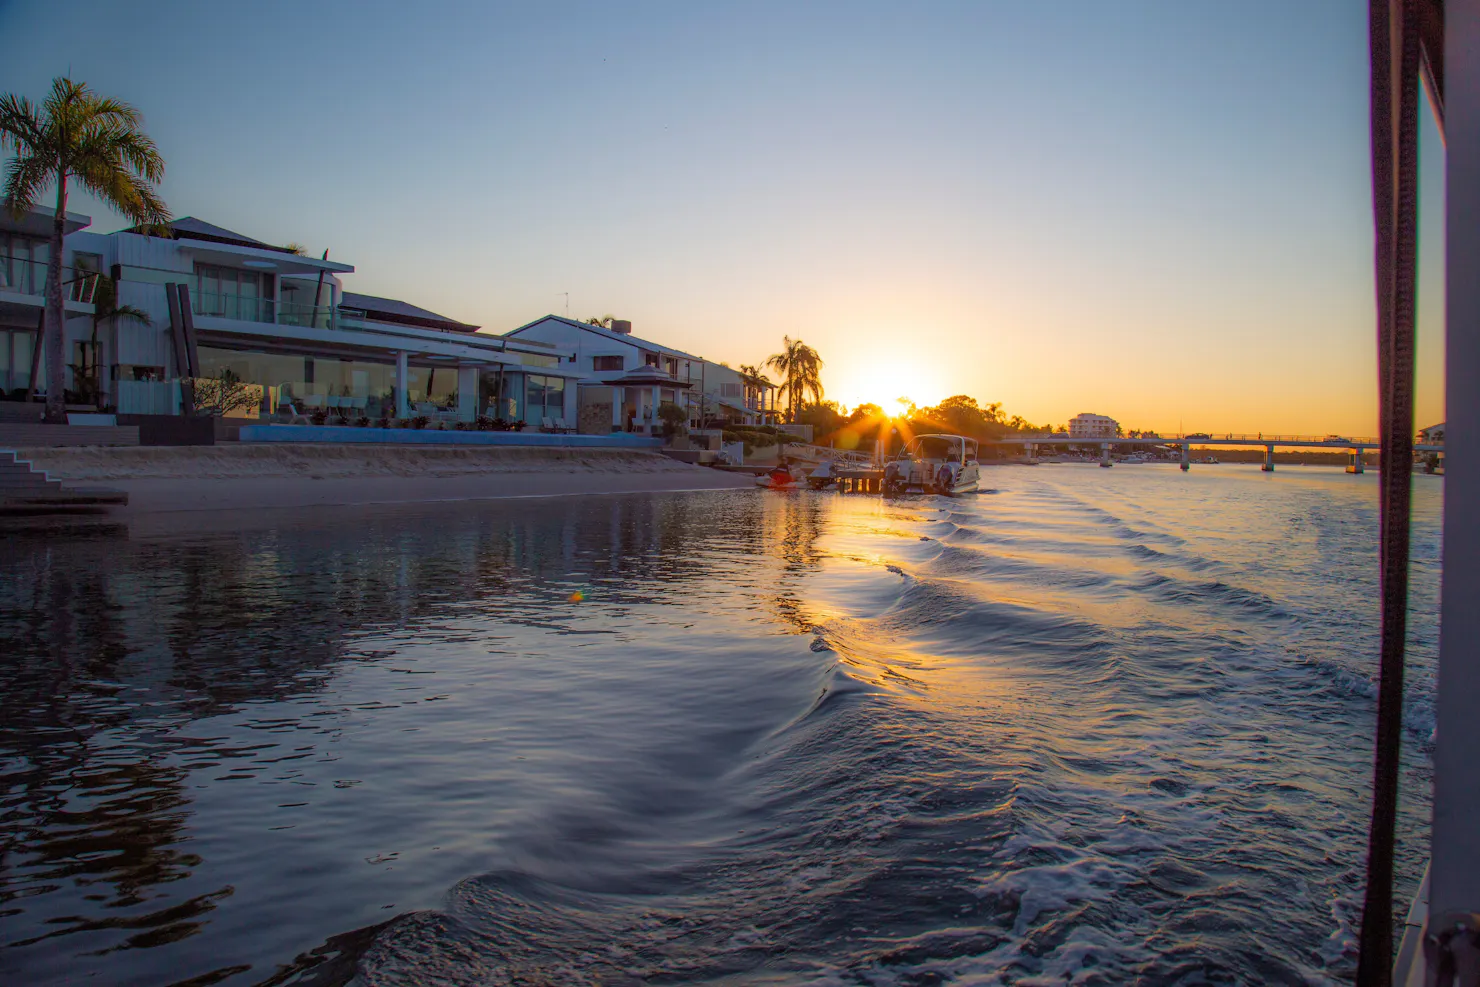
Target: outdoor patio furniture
(295,417)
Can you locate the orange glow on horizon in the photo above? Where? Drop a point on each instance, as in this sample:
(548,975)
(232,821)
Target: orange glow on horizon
(891,381)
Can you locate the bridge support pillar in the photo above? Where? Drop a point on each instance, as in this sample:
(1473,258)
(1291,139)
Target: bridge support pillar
(1186,456)
(1104,454)
(1031,450)
(1354,461)
(1268,466)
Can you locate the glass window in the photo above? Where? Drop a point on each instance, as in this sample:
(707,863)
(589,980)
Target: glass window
(499,394)
(534,401)
(22,348)
(601,363)
(544,398)
(231,293)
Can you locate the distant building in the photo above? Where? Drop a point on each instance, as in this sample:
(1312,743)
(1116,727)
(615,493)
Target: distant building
(1088,426)
(625,379)
(1433,435)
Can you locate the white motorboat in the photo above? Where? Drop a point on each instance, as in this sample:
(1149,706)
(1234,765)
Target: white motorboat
(937,463)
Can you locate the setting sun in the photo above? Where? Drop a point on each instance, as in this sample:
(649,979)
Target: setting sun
(886,380)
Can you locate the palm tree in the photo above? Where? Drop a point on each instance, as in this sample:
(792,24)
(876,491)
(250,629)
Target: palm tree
(76,134)
(801,372)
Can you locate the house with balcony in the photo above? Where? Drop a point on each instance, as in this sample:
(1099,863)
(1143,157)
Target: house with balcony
(25,248)
(625,378)
(213,300)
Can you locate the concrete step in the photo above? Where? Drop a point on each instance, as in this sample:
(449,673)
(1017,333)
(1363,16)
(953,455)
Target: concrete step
(12,509)
(20,436)
(76,497)
(30,501)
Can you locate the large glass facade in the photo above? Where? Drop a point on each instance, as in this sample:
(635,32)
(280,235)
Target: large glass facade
(501,395)
(431,390)
(310,383)
(544,398)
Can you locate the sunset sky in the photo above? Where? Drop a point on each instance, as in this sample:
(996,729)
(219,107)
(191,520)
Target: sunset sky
(1156,211)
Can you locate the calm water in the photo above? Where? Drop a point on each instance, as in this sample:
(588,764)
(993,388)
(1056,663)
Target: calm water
(1097,726)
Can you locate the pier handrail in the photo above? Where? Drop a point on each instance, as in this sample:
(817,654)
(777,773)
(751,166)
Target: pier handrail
(808,450)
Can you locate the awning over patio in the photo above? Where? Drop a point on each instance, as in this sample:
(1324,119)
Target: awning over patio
(648,377)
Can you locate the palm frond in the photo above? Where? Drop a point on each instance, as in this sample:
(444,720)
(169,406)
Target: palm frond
(25,180)
(115,112)
(105,176)
(129,312)
(21,127)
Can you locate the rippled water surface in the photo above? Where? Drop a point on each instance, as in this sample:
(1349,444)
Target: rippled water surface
(1094,726)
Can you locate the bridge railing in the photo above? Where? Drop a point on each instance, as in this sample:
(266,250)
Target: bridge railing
(1252,438)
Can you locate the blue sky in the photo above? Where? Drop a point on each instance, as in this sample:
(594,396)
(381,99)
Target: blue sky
(1158,211)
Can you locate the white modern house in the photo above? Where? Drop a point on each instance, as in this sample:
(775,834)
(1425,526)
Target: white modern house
(625,379)
(216,299)
(1091,426)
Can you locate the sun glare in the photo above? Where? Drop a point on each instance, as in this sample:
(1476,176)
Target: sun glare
(891,386)
(895,407)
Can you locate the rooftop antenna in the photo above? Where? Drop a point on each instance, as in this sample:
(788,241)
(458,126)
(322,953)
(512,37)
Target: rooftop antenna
(567,302)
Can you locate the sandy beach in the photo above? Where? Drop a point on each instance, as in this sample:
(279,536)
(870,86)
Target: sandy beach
(246,476)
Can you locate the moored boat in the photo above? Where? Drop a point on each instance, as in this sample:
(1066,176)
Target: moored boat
(937,463)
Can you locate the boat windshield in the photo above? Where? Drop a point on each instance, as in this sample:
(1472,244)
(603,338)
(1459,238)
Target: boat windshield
(948,447)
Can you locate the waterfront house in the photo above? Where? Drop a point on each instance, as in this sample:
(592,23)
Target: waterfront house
(625,379)
(1091,426)
(218,300)
(1433,435)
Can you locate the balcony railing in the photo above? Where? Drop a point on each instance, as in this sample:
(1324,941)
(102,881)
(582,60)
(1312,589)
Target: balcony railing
(28,277)
(248,309)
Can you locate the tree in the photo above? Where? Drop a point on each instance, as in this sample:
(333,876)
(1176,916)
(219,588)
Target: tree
(801,372)
(224,393)
(76,134)
(673,417)
(824,416)
(604,321)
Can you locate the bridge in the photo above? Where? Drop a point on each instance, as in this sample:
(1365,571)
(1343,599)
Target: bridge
(1354,446)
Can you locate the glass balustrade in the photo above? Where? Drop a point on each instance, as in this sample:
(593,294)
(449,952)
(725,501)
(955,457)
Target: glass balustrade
(307,316)
(244,308)
(249,309)
(28,277)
